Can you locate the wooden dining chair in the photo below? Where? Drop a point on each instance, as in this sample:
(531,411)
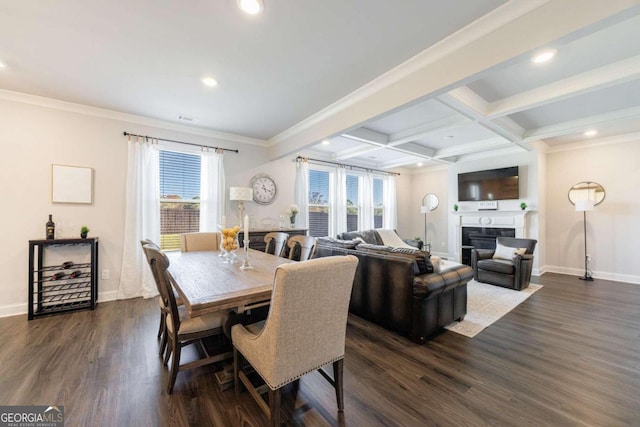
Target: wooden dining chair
(200,241)
(162,328)
(275,242)
(301,248)
(288,345)
(183,330)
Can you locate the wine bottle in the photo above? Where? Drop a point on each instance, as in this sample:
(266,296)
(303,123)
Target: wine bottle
(57,276)
(67,264)
(75,274)
(51,229)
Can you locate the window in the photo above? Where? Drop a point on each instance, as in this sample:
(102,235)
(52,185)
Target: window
(179,196)
(353,203)
(318,203)
(378,203)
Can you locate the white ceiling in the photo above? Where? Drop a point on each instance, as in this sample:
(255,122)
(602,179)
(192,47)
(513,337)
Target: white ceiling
(346,71)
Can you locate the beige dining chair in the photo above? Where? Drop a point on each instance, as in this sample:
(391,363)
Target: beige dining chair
(200,241)
(162,328)
(301,248)
(275,242)
(304,330)
(183,330)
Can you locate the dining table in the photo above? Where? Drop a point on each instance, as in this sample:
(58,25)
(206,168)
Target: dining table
(207,282)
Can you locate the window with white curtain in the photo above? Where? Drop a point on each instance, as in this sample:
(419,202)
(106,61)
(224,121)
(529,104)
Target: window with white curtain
(319,196)
(324,206)
(378,202)
(353,202)
(179,196)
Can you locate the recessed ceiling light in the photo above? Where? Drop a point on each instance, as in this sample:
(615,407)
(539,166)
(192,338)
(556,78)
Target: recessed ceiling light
(543,56)
(209,81)
(326,142)
(419,164)
(251,7)
(591,132)
(2,65)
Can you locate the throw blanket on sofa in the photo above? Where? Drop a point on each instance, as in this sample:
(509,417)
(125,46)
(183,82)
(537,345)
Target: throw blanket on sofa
(390,238)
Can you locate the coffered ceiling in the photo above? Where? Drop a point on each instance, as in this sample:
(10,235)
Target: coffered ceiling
(388,84)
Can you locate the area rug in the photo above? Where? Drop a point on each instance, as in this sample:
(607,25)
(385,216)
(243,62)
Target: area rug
(486,304)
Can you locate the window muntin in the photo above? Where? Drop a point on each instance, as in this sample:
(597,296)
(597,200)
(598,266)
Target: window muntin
(319,209)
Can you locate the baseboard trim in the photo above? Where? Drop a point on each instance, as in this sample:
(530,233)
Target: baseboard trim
(18,309)
(604,275)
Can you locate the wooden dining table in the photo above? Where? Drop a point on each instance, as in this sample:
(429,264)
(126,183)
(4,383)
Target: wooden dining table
(208,284)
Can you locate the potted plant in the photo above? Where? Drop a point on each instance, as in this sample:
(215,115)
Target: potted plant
(455,207)
(84,230)
(523,206)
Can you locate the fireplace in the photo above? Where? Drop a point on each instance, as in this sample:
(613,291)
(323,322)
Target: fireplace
(481,238)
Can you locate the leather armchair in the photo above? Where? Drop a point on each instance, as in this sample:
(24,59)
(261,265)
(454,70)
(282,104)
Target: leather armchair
(514,274)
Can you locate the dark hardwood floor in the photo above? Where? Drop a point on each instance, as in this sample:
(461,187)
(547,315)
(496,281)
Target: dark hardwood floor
(567,356)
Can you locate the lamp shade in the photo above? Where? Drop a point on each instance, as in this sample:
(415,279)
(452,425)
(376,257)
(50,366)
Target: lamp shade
(584,205)
(241,193)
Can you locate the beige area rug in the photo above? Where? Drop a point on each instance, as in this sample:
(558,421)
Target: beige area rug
(486,304)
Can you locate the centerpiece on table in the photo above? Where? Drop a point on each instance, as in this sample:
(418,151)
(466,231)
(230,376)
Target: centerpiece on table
(229,243)
(292,212)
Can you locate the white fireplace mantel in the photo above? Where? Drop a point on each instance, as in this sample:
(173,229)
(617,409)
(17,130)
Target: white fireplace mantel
(493,219)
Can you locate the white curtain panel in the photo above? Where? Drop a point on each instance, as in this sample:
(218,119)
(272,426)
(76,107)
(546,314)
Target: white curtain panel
(390,215)
(301,193)
(340,205)
(142,220)
(212,184)
(366,213)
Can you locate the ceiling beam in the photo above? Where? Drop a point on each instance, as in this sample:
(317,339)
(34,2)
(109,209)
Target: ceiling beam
(589,81)
(512,30)
(582,124)
(367,135)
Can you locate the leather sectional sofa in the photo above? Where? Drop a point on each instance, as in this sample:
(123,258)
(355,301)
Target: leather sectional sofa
(397,289)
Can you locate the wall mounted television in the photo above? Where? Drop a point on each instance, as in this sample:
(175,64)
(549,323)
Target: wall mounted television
(494,184)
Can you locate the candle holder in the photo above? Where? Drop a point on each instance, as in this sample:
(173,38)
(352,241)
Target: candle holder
(245,263)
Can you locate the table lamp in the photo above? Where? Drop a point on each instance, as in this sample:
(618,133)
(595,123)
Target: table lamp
(241,195)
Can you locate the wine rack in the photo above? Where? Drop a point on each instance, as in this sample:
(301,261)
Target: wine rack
(64,287)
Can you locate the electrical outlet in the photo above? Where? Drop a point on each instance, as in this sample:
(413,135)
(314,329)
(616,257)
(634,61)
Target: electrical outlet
(106,275)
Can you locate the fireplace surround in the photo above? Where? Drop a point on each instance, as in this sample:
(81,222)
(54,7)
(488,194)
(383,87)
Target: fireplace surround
(479,229)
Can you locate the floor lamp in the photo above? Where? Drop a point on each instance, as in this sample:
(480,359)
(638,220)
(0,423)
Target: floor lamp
(584,206)
(241,195)
(425,211)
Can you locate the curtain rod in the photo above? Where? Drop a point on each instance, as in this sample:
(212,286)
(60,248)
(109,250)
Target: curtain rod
(300,158)
(146,137)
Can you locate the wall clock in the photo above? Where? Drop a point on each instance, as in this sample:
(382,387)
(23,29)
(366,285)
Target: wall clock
(264,189)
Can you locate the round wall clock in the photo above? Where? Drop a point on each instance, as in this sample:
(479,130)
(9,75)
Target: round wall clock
(264,189)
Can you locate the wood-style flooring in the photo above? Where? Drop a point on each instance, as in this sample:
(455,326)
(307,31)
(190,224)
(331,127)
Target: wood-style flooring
(567,356)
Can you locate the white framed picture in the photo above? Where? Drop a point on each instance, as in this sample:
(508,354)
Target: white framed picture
(71,184)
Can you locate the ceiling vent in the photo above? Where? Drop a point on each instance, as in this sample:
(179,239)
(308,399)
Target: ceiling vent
(187,119)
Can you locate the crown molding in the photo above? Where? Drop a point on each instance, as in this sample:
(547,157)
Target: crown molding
(71,107)
(581,145)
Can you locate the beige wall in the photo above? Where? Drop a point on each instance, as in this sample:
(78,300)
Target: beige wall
(33,137)
(612,227)
(432,180)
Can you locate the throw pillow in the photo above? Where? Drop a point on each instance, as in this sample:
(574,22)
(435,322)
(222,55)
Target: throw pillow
(507,252)
(422,258)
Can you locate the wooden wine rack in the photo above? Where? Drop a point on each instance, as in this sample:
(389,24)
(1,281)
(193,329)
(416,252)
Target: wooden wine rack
(50,294)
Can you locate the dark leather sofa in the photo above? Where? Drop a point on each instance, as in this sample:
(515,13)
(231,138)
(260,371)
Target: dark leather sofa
(390,290)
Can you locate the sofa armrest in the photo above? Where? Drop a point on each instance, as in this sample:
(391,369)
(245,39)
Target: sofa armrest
(415,243)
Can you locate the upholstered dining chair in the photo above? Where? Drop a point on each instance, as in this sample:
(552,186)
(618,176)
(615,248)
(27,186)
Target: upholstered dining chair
(182,330)
(301,248)
(304,330)
(162,328)
(509,265)
(275,242)
(200,241)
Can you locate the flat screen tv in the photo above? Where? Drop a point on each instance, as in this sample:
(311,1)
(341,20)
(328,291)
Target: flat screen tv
(494,184)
